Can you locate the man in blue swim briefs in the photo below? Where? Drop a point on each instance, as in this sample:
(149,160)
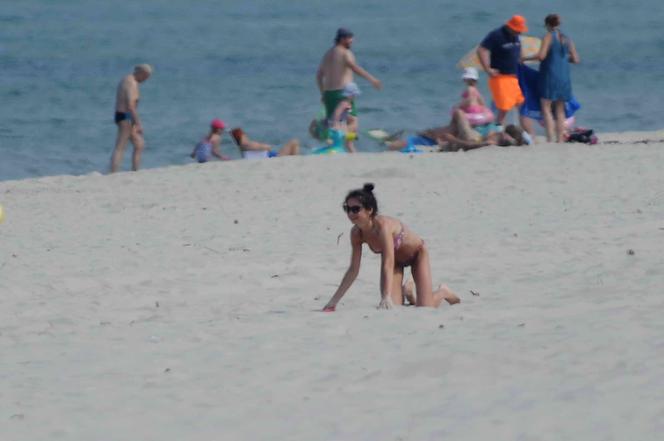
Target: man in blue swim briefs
(335,71)
(126,117)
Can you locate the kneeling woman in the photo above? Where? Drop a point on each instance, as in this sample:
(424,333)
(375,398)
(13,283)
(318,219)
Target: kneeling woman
(398,246)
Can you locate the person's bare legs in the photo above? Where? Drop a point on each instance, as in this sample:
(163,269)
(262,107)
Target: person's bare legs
(559,108)
(139,143)
(421,270)
(500,118)
(352,126)
(461,127)
(291,148)
(547,116)
(408,290)
(448,295)
(396,145)
(124,133)
(527,125)
(397,281)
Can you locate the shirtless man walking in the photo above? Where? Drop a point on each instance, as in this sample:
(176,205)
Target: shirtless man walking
(335,72)
(126,117)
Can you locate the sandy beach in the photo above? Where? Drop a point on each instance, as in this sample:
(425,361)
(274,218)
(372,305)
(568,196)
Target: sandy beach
(183,303)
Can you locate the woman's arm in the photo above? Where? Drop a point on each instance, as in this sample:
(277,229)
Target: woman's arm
(386,267)
(481,101)
(352,271)
(475,95)
(217,154)
(544,48)
(216,144)
(573,54)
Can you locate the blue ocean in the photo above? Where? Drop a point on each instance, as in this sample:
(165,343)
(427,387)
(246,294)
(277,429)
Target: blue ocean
(253,64)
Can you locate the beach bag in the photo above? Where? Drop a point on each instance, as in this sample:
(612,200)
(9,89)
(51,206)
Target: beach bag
(583,135)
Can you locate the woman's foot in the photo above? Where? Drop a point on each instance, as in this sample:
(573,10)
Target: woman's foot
(409,292)
(449,295)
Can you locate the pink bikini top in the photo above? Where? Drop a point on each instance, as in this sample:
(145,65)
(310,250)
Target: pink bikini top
(397,240)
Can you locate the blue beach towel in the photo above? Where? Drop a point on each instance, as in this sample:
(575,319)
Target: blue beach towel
(528,78)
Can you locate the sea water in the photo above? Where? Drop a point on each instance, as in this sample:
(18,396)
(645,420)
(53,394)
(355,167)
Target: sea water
(253,64)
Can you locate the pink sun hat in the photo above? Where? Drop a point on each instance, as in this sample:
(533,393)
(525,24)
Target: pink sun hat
(217,124)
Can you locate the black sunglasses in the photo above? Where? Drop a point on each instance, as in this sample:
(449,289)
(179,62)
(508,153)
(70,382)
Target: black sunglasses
(352,208)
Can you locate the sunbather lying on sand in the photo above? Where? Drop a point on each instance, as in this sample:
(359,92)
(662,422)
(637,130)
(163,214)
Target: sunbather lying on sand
(460,135)
(257,150)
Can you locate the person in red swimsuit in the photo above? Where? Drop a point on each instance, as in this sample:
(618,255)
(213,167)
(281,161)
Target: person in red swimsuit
(398,246)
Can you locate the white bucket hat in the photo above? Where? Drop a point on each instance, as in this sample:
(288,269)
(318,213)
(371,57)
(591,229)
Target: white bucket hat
(470,73)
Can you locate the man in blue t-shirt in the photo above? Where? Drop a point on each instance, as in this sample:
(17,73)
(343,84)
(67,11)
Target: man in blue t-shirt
(499,55)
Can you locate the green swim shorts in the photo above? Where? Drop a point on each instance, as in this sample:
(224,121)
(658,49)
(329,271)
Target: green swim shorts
(332,98)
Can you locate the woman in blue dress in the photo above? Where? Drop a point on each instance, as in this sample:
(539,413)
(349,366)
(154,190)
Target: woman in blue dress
(555,85)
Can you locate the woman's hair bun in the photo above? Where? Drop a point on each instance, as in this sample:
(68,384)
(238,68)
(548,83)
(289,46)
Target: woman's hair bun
(368,187)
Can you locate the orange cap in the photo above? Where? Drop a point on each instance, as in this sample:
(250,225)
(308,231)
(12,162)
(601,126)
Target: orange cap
(517,23)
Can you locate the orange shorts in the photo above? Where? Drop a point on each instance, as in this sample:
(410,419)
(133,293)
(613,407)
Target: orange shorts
(505,91)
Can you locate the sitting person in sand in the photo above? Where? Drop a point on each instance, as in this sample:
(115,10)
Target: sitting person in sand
(398,246)
(460,135)
(209,146)
(472,102)
(340,130)
(257,150)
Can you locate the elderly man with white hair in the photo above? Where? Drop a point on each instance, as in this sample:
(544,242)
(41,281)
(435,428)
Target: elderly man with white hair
(126,117)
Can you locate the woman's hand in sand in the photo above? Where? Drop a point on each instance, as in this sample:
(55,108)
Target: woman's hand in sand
(385,303)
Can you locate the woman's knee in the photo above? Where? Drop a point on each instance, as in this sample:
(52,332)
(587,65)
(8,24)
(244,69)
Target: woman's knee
(458,115)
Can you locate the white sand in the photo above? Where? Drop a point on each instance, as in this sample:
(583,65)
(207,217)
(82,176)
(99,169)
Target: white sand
(132,307)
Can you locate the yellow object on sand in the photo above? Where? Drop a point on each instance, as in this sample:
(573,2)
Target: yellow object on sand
(2,214)
(529,46)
